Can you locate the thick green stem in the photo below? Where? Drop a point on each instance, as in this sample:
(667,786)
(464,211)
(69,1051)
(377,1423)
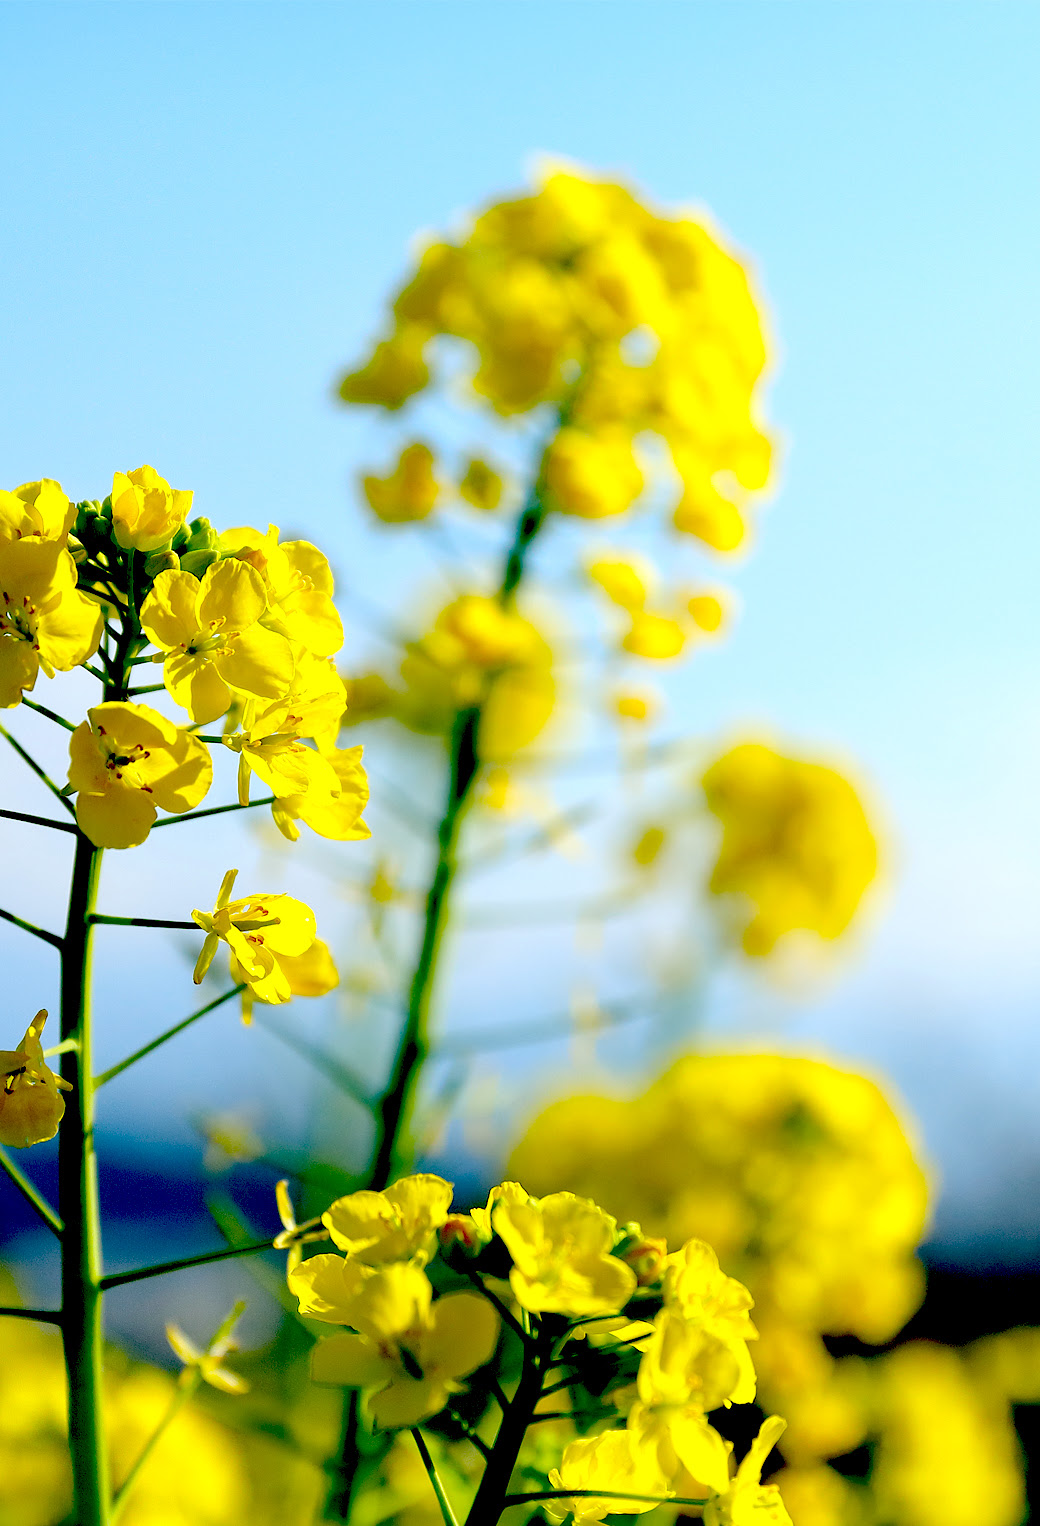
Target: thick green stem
(81,1268)
(489,1500)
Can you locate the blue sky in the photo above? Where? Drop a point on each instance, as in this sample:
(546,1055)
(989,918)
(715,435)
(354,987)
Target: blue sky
(206,203)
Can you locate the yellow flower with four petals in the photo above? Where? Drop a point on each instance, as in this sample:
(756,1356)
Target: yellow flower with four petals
(126,761)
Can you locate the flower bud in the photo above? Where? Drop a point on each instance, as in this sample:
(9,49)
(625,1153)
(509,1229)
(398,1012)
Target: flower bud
(146,511)
(196,562)
(77,550)
(161,561)
(460,1234)
(645,1254)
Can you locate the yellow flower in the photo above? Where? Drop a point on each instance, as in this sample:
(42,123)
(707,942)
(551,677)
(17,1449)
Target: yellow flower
(608,1461)
(561,1248)
(796,844)
(146,511)
(399,1224)
(695,1285)
(299,585)
(209,1363)
(409,492)
(657,637)
(747,1501)
(259,930)
(270,746)
(44,621)
(31,1105)
(38,509)
(631,706)
(481,486)
(126,760)
(707,612)
(504,1192)
(592,475)
(409,1351)
(394,371)
(214,644)
(626,580)
(336,816)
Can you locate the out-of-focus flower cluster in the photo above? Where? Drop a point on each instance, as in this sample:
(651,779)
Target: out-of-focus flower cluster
(624,319)
(199,1472)
(804,1179)
(446,1310)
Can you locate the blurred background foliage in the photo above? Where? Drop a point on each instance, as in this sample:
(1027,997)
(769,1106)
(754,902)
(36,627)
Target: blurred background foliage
(578,354)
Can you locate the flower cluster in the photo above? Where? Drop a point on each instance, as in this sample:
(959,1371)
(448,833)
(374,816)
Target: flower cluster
(648,1343)
(797,850)
(242,623)
(477,654)
(625,319)
(803,1178)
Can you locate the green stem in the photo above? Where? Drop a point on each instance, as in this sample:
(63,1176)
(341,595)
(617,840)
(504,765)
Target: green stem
(214,810)
(490,1498)
(161,1268)
(184,927)
(600,1494)
(186,1390)
(139,1054)
(31,1193)
(30,927)
(447,1513)
(78,1203)
(42,1316)
(37,770)
(52,715)
(392,1152)
(38,821)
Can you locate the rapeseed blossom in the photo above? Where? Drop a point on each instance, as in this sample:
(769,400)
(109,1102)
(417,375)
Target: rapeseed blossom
(213,643)
(260,931)
(796,849)
(562,1247)
(411,490)
(36,509)
(607,1461)
(146,511)
(399,1224)
(747,1501)
(45,622)
(408,1351)
(31,1104)
(126,761)
(299,586)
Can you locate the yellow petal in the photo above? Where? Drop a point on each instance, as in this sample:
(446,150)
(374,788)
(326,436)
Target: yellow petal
(257,661)
(232,596)
(349,1360)
(465,1329)
(169,615)
(406,1402)
(120,818)
(192,681)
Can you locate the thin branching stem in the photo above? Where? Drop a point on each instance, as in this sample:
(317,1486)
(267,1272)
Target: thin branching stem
(164,1038)
(447,1513)
(30,927)
(38,821)
(52,715)
(162,1268)
(37,770)
(214,810)
(31,1193)
(184,927)
(41,1316)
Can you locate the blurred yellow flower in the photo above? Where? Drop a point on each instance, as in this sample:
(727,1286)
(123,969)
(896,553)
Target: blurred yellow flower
(481,486)
(592,475)
(796,848)
(657,637)
(31,1104)
(409,492)
(394,371)
(208,1362)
